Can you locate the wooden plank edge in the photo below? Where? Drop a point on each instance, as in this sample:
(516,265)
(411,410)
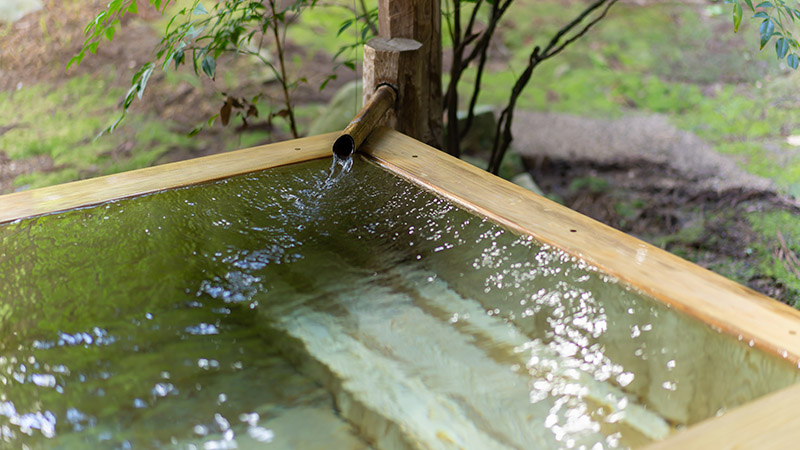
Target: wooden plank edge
(93,191)
(770,422)
(723,304)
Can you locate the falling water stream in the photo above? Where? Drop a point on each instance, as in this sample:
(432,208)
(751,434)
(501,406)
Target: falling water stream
(340,167)
(334,305)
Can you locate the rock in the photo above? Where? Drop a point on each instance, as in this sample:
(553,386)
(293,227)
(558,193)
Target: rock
(344,105)
(648,138)
(511,165)
(13,10)
(526,180)
(480,138)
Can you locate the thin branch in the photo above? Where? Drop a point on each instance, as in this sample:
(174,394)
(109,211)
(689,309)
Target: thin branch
(481,49)
(475,92)
(566,28)
(365,16)
(583,31)
(284,83)
(472,16)
(503,135)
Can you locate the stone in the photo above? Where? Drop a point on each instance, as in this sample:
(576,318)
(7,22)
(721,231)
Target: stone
(13,10)
(341,109)
(526,180)
(480,138)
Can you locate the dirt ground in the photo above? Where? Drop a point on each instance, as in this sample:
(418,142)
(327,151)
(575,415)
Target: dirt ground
(666,208)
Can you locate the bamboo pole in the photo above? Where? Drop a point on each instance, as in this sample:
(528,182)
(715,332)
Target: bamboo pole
(365,121)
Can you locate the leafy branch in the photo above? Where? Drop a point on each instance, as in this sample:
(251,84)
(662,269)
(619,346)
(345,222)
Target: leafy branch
(776,15)
(232,26)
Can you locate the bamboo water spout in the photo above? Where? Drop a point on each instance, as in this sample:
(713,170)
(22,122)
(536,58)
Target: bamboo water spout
(365,121)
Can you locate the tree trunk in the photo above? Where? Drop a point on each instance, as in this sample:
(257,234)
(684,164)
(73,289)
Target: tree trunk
(419,20)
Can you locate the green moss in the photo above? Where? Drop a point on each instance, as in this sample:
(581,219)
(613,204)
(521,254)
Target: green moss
(772,226)
(63,123)
(593,184)
(629,209)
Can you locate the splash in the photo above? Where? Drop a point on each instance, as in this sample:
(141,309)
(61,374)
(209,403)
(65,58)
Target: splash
(339,168)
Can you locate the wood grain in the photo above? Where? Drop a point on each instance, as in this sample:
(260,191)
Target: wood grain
(371,115)
(768,423)
(420,20)
(724,304)
(97,190)
(397,62)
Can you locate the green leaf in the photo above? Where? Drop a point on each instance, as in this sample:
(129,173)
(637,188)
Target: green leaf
(737,17)
(76,60)
(761,14)
(113,7)
(110,33)
(781,48)
(750,4)
(178,57)
(344,26)
(209,66)
(133,9)
(145,77)
(765,5)
(93,47)
(113,126)
(199,10)
(325,83)
(767,28)
(792,60)
(195,130)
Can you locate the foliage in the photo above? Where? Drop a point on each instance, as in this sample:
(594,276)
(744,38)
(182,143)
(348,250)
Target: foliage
(196,34)
(777,15)
(238,27)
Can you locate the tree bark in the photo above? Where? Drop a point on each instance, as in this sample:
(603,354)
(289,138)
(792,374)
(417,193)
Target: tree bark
(419,20)
(397,62)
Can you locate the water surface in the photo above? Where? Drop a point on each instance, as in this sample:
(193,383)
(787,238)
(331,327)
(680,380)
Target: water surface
(299,310)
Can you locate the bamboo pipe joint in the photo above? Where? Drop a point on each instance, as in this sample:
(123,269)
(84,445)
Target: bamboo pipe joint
(370,116)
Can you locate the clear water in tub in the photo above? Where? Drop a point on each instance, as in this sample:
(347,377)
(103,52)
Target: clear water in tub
(293,309)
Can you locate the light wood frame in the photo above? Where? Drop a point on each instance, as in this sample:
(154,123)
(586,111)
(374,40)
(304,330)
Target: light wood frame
(770,422)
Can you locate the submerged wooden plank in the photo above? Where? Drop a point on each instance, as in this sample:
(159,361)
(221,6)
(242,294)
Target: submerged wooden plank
(183,173)
(720,302)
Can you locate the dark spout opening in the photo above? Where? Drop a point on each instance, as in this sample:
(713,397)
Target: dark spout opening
(344,146)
